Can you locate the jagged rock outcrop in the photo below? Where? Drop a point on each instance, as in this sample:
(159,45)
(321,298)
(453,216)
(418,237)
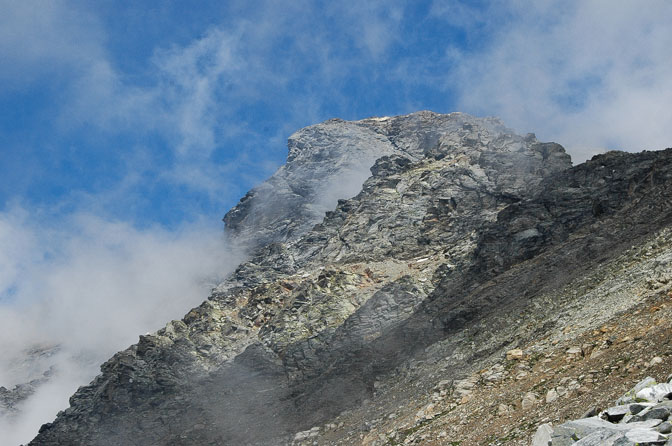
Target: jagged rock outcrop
(461,227)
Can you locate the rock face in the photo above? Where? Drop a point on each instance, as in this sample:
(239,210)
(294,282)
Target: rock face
(330,161)
(461,225)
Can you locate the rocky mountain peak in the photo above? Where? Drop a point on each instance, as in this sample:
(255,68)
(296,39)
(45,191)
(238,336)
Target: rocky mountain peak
(447,242)
(331,160)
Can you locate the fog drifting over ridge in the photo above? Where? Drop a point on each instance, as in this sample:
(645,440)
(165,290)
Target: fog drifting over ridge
(590,75)
(89,289)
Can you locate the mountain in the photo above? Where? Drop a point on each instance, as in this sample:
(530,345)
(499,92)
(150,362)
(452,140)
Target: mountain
(393,264)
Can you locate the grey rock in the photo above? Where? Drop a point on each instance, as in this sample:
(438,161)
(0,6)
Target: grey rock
(646,427)
(644,436)
(529,401)
(36,366)
(601,438)
(462,225)
(656,413)
(616,413)
(630,395)
(665,428)
(638,407)
(330,161)
(326,162)
(655,393)
(11,399)
(551,396)
(592,412)
(542,436)
(572,431)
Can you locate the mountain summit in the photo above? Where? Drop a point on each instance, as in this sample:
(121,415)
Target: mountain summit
(393,263)
(330,161)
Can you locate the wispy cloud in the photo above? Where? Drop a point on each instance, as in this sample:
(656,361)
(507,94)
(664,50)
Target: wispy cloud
(591,75)
(203,115)
(193,102)
(45,41)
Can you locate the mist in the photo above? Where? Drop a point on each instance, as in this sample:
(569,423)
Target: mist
(73,294)
(125,125)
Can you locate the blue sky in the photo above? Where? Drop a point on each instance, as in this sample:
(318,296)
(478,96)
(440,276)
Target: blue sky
(155,113)
(160,113)
(128,129)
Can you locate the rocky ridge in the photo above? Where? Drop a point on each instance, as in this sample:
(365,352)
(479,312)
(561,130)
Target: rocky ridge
(331,160)
(36,369)
(466,241)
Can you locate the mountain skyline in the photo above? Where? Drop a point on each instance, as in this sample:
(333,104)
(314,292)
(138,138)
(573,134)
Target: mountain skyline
(155,115)
(128,131)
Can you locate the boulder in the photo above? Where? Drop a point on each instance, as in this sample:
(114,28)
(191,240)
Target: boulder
(543,435)
(630,395)
(655,393)
(514,355)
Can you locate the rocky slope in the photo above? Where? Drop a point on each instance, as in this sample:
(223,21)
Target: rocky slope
(379,324)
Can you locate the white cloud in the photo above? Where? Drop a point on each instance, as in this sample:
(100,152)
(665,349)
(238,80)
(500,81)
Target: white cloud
(91,287)
(191,80)
(588,74)
(190,102)
(45,39)
(17,253)
(63,46)
(592,75)
(457,13)
(192,96)
(372,26)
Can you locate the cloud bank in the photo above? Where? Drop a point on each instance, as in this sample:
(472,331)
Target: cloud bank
(90,289)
